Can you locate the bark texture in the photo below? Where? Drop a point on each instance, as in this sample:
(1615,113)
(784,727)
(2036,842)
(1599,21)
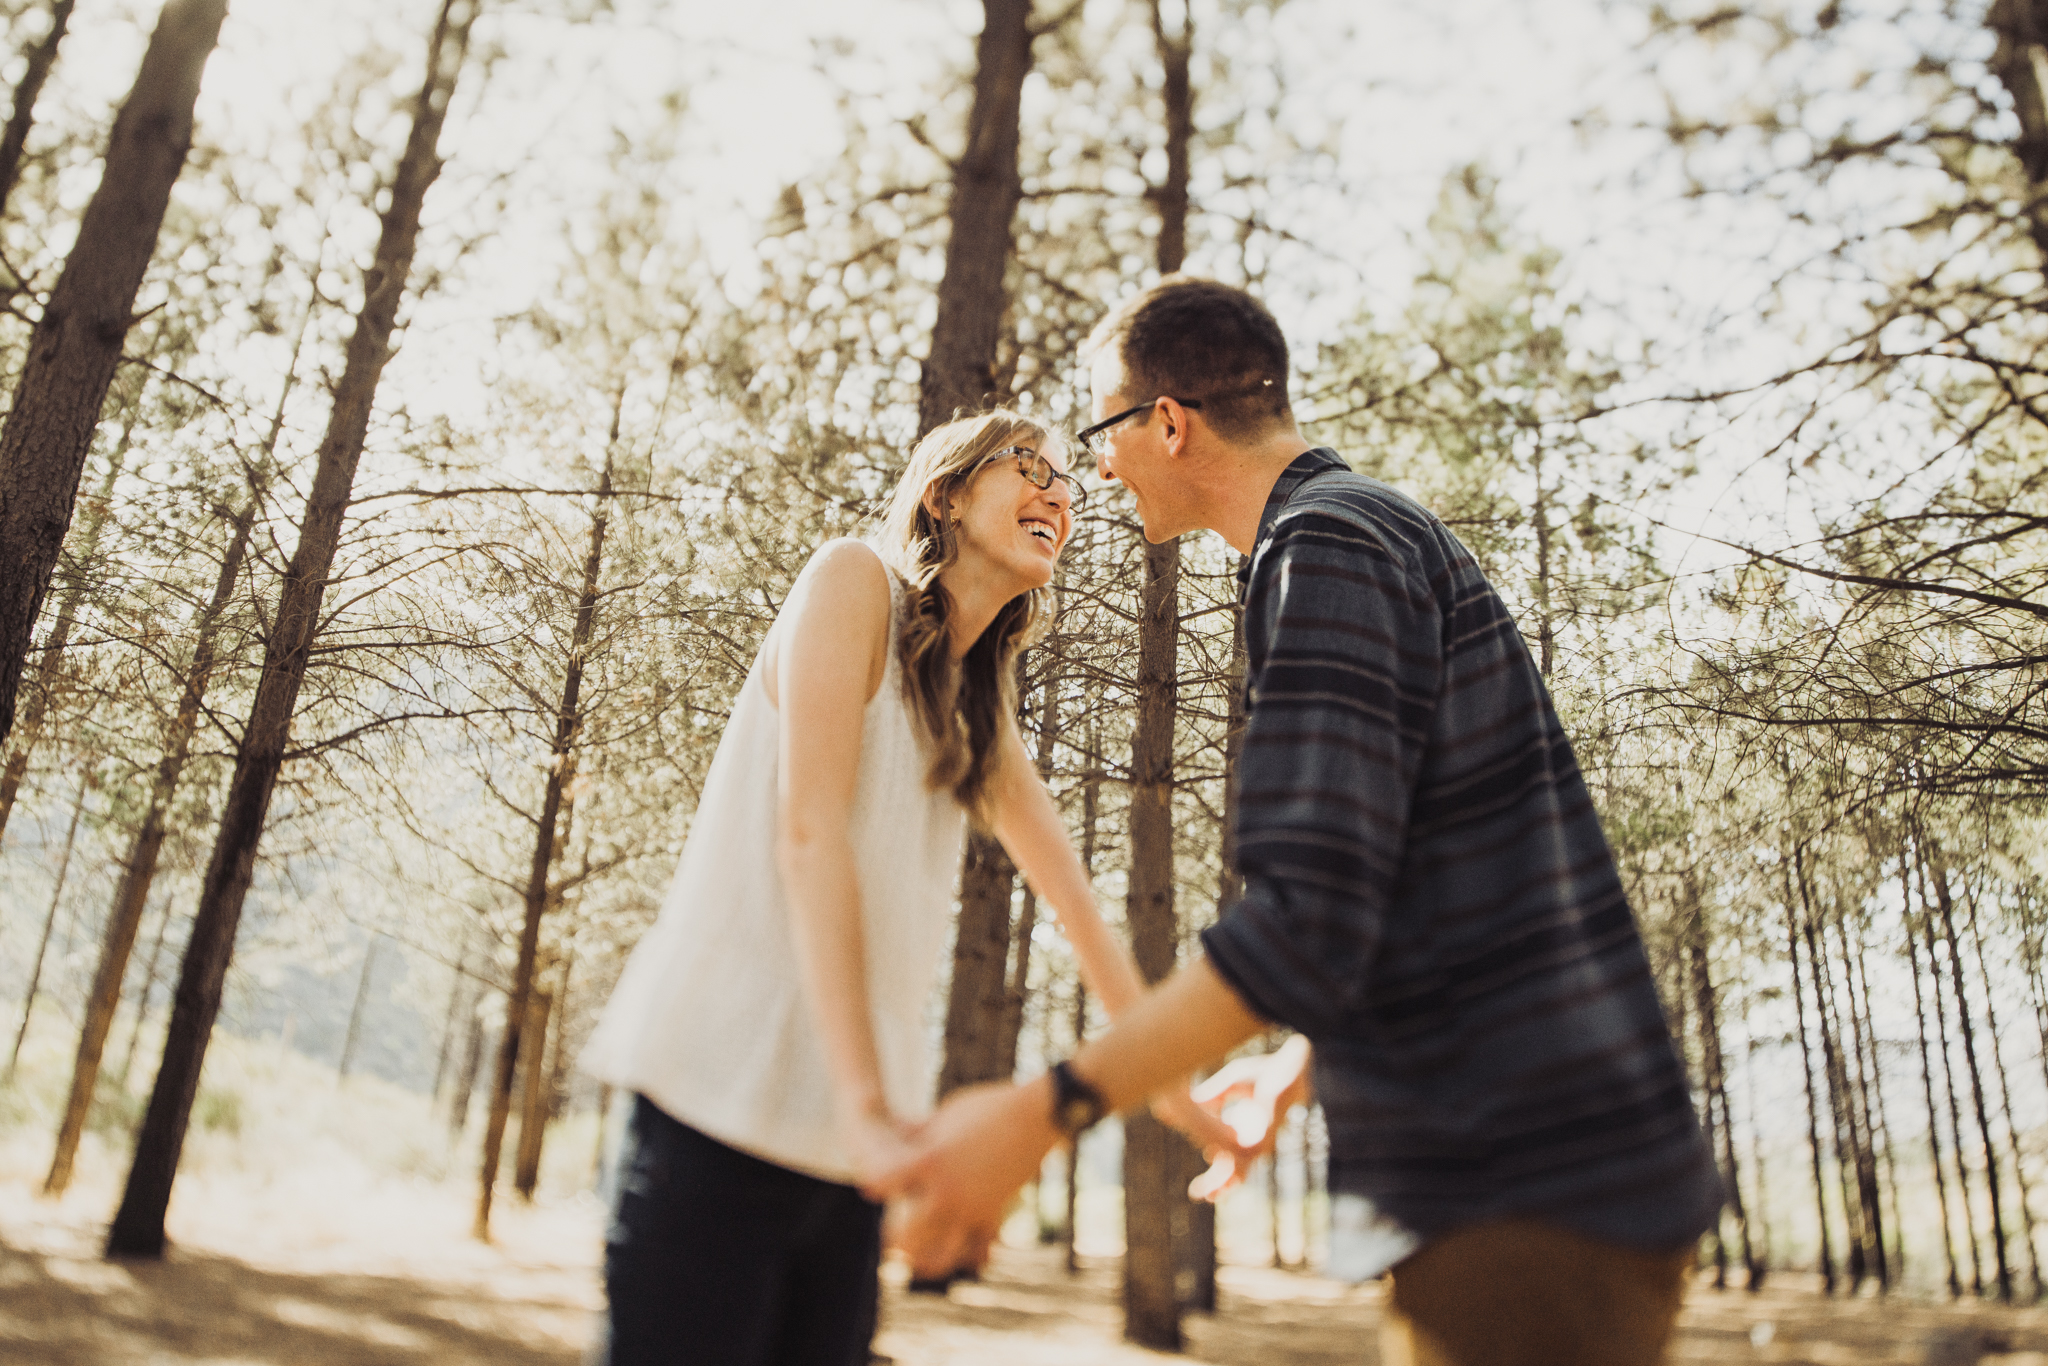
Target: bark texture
(1157,1224)
(41,58)
(138,1227)
(960,371)
(977,1006)
(1152,1204)
(77,341)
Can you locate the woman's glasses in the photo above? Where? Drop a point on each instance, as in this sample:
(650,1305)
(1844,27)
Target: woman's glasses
(1040,471)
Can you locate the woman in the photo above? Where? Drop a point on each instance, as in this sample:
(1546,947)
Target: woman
(771,1025)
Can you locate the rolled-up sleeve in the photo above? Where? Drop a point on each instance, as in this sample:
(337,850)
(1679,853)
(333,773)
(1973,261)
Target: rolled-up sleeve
(1346,663)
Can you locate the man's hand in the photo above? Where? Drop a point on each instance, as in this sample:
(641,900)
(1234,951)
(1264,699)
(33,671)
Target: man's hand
(1259,1093)
(970,1157)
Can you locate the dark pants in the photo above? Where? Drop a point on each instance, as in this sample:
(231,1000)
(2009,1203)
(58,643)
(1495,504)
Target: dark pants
(718,1258)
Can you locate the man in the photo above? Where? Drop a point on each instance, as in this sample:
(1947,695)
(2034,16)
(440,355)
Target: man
(1428,898)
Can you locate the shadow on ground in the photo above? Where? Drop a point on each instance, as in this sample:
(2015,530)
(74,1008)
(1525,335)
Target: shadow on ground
(201,1307)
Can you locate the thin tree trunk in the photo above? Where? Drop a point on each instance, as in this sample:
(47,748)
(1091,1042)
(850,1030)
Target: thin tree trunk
(50,659)
(138,1227)
(1827,1255)
(458,992)
(41,57)
(1091,796)
(156,953)
(355,1011)
(1955,1108)
(1948,1243)
(35,975)
(138,871)
(1840,1107)
(465,1078)
(959,370)
(533,1099)
(568,722)
(1856,1094)
(77,341)
(2019,1169)
(1992,1184)
(1874,1108)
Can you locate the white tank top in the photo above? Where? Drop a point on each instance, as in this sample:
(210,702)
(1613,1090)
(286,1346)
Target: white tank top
(710,1019)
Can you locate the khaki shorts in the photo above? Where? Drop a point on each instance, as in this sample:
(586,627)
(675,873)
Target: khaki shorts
(1521,1293)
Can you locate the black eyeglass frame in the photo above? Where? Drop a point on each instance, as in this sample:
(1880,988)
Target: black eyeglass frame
(1086,436)
(1076,495)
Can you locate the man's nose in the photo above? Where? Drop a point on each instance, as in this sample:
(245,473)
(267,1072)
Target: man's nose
(1103,469)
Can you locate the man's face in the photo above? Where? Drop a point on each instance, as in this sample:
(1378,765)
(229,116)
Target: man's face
(1136,452)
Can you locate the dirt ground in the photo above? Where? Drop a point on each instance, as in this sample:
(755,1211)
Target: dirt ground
(386,1275)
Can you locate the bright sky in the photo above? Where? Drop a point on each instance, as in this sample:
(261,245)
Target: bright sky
(1411,91)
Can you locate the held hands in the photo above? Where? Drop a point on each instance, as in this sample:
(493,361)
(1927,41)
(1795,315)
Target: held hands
(947,1197)
(946,1200)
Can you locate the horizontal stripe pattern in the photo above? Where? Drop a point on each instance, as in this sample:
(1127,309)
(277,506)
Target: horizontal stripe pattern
(1428,894)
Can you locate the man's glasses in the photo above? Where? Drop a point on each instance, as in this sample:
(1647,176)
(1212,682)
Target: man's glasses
(1095,440)
(1040,471)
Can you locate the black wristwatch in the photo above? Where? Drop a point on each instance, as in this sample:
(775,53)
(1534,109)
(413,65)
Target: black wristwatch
(1075,1104)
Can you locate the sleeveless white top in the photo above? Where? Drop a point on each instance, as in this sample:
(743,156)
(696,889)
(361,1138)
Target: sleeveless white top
(711,1020)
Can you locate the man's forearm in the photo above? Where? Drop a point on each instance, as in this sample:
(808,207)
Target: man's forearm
(1191,1019)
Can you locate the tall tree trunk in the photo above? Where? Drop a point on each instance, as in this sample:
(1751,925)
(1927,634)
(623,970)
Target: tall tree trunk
(959,372)
(1992,1184)
(1955,1108)
(138,1227)
(50,659)
(568,723)
(77,341)
(2019,1168)
(41,57)
(976,998)
(960,369)
(1948,1242)
(355,1010)
(1720,1124)
(1870,1079)
(1840,1104)
(1155,1167)
(2017,62)
(138,871)
(1820,1188)
(533,1117)
(1151,1304)
(35,974)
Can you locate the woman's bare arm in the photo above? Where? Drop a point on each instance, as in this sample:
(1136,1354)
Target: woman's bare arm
(821,667)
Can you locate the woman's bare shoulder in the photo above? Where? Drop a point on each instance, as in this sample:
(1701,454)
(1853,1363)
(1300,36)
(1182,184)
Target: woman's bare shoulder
(843,592)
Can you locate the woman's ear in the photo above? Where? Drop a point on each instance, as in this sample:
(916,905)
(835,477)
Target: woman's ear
(934,504)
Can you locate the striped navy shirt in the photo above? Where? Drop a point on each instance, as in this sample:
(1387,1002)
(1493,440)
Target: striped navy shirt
(1428,895)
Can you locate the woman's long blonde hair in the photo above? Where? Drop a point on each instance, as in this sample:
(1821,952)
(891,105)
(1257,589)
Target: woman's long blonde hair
(960,706)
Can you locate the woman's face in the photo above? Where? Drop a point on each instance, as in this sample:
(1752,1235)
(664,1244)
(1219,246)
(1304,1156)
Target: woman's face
(1004,519)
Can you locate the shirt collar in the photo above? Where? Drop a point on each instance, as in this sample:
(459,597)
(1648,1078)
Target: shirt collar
(1309,463)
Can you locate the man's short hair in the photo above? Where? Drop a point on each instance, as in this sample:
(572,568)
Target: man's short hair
(1189,338)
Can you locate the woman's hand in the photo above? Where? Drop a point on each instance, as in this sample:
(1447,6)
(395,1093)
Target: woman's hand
(877,1142)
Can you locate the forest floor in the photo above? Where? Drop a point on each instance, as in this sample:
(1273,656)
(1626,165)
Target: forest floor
(313,1272)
